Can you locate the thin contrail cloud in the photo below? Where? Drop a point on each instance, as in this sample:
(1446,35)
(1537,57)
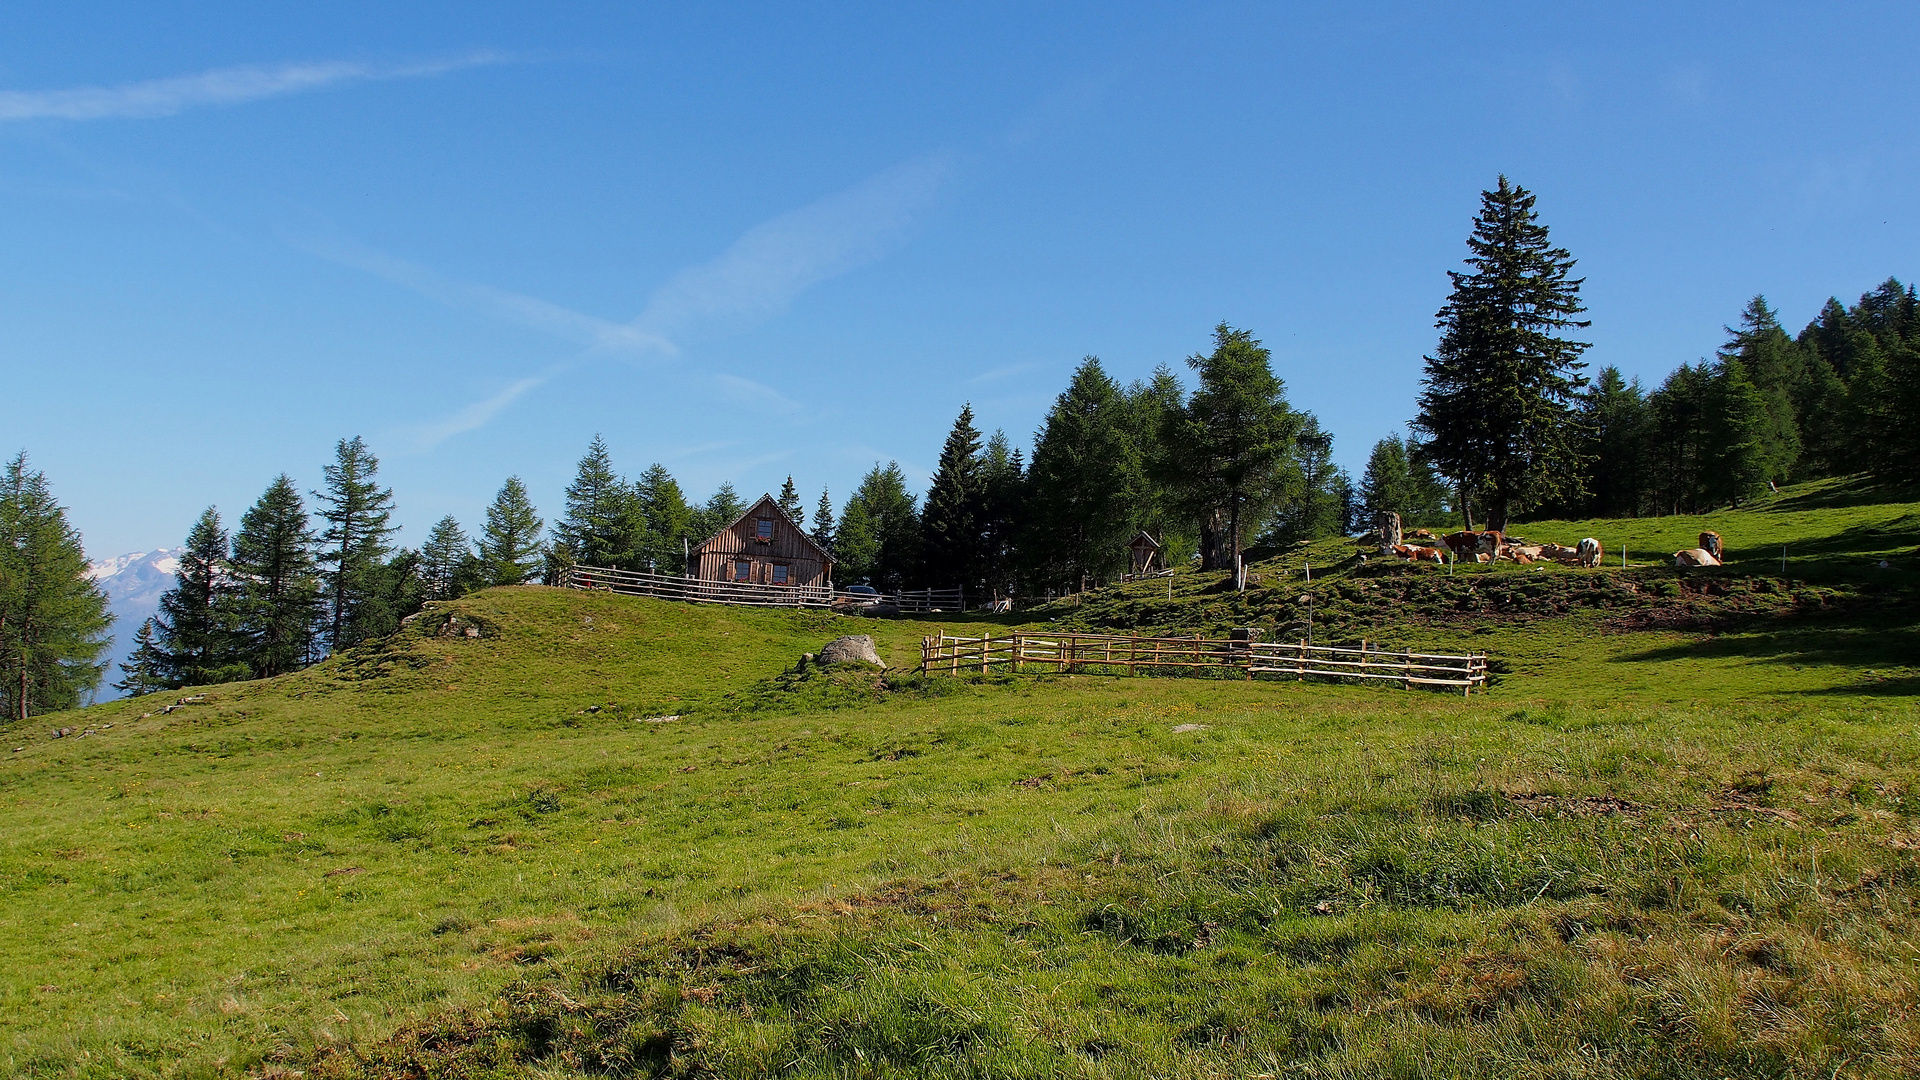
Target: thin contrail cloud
(222,86)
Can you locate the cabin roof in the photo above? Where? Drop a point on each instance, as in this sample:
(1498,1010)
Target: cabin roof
(775,511)
(1142,535)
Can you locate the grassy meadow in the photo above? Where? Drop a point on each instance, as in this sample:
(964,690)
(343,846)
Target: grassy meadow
(611,836)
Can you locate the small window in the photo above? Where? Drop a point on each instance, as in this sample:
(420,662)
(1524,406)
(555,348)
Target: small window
(779,575)
(742,570)
(766,529)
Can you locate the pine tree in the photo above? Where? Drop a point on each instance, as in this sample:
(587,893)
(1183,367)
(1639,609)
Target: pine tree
(445,561)
(143,672)
(823,531)
(789,502)
(1234,448)
(952,525)
(53,618)
(278,581)
(1497,403)
(198,623)
(354,544)
(591,531)
(670,522)
(510,545)
(1082,484)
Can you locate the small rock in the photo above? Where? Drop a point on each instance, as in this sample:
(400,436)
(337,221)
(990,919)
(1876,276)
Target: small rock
(660,719)
(1182,729)
(473,632)
(851,649)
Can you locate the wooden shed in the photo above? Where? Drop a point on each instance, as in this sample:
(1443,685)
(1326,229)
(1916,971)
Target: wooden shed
(1145,553)
(764,547)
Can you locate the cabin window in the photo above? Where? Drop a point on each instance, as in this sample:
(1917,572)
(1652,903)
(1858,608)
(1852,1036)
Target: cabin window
(779,575)
(765,531)
(742,570)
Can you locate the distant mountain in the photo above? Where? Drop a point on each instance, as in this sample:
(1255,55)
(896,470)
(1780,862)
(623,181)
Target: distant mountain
(133,584)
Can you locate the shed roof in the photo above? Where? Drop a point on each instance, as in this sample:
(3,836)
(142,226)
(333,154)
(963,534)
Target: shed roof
(774,507)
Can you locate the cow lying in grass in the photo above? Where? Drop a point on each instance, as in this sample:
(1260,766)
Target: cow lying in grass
(1419,553)
(1694,557)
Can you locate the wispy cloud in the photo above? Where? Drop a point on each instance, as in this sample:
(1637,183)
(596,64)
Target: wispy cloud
(479,413)
(223,86)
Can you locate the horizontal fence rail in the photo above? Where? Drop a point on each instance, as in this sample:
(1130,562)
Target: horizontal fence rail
(1193,656)
(752,594)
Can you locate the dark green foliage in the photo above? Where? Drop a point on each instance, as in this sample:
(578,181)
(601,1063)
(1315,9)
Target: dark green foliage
(593,530)
(354,545)
(879,535)
(1615,447)
(789,502)
(198,624)
(53,619)
(1152,407)
(1083,485)
(447,567)
(1497,407)
(144,671)
(953,526)
(510,552)
(823,531)
(721,510)
(1775,366)
(1743,440)
(1004,476)
(1231,453)
(278,580)
(669,526)
(1403,483)
(1318,506)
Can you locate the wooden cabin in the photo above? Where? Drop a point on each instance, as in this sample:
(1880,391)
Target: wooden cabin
(1144,552)
(763,547)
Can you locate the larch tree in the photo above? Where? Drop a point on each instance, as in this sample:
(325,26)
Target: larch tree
(1497,401)
(53,618)
(446,565)
(278,581)
(510,552)
(199,620)
(145,670)
(722,509)
(353,547)
(1233,448)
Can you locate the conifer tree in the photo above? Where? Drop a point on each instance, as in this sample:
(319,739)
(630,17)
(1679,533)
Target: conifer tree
(879,533)
(789,502)
(1234,444)
(592,529)
(1774,366)
(952,525)
(1151,407)
(1614,444)
(1082,484)
(1391,483)
(510,545)
(721,510)
(143,672)
(1680,426)
(278,581)
(1497,404)
(53,618)
(1004,475)
(354,545)
(198,623)
(446,562)
(823,531)
(1741,441)
(670,522)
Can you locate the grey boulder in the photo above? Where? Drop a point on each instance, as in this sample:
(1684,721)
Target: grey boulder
(851,649)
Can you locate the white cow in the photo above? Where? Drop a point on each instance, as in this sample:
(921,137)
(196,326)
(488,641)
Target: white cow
(1590,552)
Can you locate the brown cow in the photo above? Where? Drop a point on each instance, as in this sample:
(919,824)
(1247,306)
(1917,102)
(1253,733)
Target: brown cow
(1694,557)
(1419,553)
(1710,543)
(1477,546)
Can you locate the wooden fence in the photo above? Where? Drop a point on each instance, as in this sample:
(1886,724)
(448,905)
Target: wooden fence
(1194,656)
(752,594)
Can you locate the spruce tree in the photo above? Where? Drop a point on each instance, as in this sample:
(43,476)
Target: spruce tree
(879,533)
(510,545)
(1740,437)
(952,523)
(1681,430)
(1387,485)
(1497,404)
(1314,507)
(1234,448)
(53,618)
(144,671)
(590,530)
(1004,475)
(446,561)
(670,522)
(1614,445)
(823,531)
(1774,365)
(354,547)
(198,623)
(278,581)
(789,502)
(1082,484)
(722,510)
(1151,406)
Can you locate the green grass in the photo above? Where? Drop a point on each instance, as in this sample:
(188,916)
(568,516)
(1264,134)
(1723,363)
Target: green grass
(1679,851)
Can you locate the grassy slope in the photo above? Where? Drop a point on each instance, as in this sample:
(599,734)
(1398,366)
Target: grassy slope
(1647,853)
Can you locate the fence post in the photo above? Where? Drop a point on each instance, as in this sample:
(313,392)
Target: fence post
(986,650)
(1016,651)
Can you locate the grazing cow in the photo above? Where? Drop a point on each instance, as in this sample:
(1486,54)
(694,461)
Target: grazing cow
(1591,552)
(1419,553)
(1477,546)
(1694,557)
(1710,543)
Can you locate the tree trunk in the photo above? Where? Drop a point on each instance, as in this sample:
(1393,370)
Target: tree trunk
(1387,524)
(1466,509)
(1212,539)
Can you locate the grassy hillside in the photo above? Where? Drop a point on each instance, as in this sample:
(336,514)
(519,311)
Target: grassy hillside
(1657,847)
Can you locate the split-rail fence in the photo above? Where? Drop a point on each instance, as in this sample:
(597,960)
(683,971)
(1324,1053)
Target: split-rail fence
(752,594)
(1020,650)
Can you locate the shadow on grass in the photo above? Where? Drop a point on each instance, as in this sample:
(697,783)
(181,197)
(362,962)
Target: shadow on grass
(1865,639)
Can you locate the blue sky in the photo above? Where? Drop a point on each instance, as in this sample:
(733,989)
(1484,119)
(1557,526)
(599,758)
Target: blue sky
(753,240)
